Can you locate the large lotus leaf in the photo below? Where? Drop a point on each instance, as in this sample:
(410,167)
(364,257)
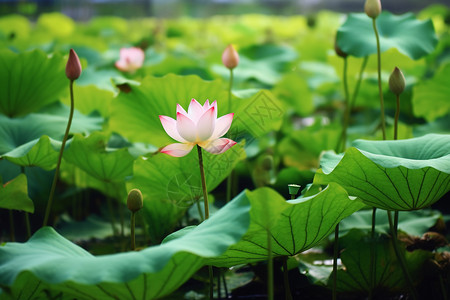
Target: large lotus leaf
(14,194)
(29,81)
(90,98)
(410,36)
(170,184)
(33,140)
(412,222)
(263,63)
(135,114)
(15,26)
(430,97)
(92,156)
(42,153)
(393,175)
(295,225)
(388,273)
(148,274)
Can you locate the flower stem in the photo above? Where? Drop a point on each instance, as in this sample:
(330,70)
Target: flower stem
(372,255)
(269,267)
(335,257)
(401,259)
(26,214)
(397,113)
(343,138)
(58,165)
(287,287)
(202,176)
(380,89)
(205,198)
(230,177)
(133,225)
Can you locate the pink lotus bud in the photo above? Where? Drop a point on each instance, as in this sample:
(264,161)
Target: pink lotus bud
(397,81)
(230,57)
(372,8)
(73,66)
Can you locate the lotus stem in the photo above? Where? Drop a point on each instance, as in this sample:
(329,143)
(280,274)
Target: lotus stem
(230,177)
(211,282)
(380,89)
(225,285)
(12,235)
(26,215)
(396,215)
(343,137)
(133,236)
(58,165)
(397,113)
(335,257)
(269,267)
(358,83)
(287,287)
(401,259)
(202,176)
(372,255)
(112,219)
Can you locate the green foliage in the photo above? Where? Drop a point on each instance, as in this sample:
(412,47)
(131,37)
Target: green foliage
(14,194)
(48,261)
(29,81)
(392,175)
(430,97)
(410,36)
(295,225)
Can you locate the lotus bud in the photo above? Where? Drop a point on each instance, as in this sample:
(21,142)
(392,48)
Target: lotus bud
(73,66)
(230,57)
(372,8)
(397,81)
(135,200)
(293,189)
(338,50)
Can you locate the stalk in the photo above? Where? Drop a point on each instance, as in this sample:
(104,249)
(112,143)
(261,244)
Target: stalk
(335,257)
(133,236)
(372,255)
(358,83)
(230,177)
(287,287)
(269,267)
(380,89)
(58,165)
(343,137)
(205,198)
(397,113)
(401,259)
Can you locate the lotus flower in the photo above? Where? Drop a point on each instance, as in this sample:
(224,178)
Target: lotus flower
(131,59)
(198,126)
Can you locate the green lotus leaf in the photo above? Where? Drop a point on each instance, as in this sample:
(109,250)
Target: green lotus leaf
(14,194)
(29,81)
(92,156)
(34,140)
(42,153)
(295,225)
(388,273)
(430,97)
(170,185)
(62,266)
(410,36)
(393,175)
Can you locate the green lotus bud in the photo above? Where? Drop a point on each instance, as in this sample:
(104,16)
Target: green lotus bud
(397,81)
(73,66)
(135,200)
(372,8)
(293,189)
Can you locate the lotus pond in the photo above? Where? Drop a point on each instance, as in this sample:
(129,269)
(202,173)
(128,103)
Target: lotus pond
(232,157)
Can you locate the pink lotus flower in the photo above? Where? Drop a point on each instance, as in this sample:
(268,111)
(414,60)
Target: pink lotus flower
(199,126)
(131,59)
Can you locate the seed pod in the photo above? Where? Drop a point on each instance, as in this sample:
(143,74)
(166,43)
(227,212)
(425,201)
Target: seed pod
(73,66)
(397,81)
(293,189)
(135,200)
(230,57)
(372,8)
